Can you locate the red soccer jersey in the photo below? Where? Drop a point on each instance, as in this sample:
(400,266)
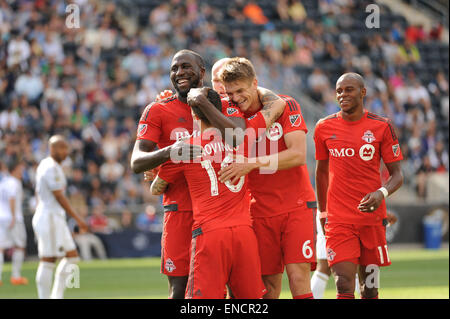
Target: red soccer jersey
(215,204)
(284,190)
(355,150)
(164,123)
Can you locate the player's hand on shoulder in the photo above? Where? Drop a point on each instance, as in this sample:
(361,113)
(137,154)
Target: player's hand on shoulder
(196,95)
(371,202)
(182,151)
(163,95)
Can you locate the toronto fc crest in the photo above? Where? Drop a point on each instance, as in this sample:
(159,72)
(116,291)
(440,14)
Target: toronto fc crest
(368,137)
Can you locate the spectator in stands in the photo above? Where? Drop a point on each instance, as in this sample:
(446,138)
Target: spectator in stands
(408,53)
(126,220)
(297,11)
(422,175)
(254,12)
(439,157)
(282,10)
(436,31)
(98,222)
(317,84)
(149,220)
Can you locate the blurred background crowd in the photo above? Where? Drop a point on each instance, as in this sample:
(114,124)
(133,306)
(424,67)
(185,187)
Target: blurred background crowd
(92,82)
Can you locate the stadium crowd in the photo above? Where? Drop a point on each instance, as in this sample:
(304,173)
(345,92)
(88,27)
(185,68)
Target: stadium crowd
(91,83)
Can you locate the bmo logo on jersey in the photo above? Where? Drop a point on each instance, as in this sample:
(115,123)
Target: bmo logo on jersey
(366,152)
(343,152)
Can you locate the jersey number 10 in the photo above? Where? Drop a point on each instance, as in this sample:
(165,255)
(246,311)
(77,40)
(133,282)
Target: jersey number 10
(206,164)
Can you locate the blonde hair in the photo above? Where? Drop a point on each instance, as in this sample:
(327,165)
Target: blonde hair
(237,69)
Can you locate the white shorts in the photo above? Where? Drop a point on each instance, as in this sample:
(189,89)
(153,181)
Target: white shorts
(53,235)
(321,250)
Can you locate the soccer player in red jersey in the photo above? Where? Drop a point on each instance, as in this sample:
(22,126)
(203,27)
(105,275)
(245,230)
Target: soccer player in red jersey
(283,200)
(350,145)
(224,247)
(161,124)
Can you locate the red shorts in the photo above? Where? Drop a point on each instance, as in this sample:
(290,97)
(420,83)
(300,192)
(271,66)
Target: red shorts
(176,243)
(223,256)
(288,238)
(360,244)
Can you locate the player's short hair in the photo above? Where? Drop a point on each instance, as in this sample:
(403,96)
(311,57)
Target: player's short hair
(237,69)
(198,57)
(215,99)
(355,76)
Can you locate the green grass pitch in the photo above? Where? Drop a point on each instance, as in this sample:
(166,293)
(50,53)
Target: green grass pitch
(414,274)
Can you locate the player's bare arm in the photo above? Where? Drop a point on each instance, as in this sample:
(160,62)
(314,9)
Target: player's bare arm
(273,105)
(322,187)
(158,186)
(198,97)
(372,201)
(144,157)
(62,200)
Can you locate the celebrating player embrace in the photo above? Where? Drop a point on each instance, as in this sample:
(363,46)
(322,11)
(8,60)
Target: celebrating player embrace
(224,247)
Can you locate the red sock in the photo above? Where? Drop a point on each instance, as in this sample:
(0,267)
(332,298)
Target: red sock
(349,295)
(375,297)
(309,295)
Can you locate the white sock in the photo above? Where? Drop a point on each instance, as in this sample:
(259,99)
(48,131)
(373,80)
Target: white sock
(319,282)
(16,261)
(1,264)
(357,289)
(61,275)
(44,278)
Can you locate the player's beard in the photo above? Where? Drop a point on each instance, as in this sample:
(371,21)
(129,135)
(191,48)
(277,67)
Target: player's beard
(194,83)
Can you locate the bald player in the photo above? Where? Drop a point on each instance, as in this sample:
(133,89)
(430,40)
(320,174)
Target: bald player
(215,80)
(350,146)
(49,222)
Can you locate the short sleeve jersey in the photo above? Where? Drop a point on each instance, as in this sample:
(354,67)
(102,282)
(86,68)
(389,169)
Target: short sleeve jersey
(49,178)
(284,190)
(164,123)
(355,150)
